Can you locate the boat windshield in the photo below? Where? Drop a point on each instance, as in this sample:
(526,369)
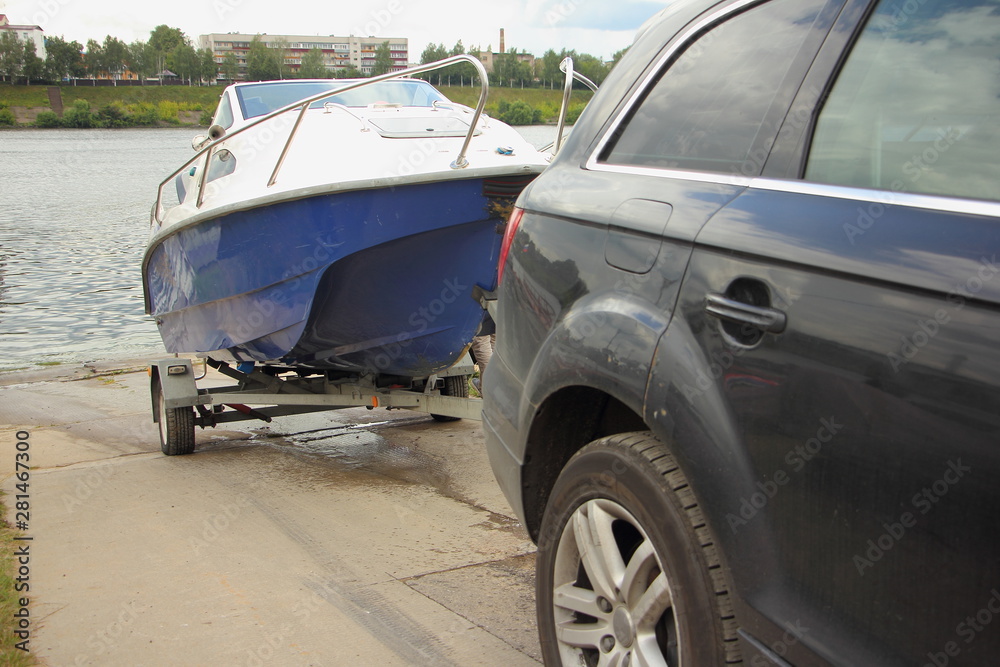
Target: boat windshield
(259,99)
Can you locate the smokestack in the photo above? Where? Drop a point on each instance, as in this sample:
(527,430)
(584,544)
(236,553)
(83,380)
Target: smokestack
(501,42)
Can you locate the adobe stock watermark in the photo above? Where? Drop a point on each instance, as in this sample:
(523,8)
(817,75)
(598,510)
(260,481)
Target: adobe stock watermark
(79,153)
(583,330)
(794,633)
(914,169)
(243,148)
(264,310)
(216,524)
(556,189)
(48,10)
(263,136)
(902,12)
(796,459)
(421,321)
(968,630)
(410,163)
(723,360)
(266,652)
(929,328)
(86,486)
(105,641)
(380,19)
(561,11)
(923,502)
(89,483)
(798,118)
(224,7)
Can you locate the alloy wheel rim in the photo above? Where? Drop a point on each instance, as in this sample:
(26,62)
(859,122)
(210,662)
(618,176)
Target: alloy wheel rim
(612,602)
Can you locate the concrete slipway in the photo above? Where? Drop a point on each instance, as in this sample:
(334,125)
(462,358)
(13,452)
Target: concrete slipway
(352,537)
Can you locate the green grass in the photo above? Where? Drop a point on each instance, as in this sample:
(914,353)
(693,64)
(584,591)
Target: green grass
(473,392)
(206,97)
(9,655)
(24,96)
(533,96)
(537,98)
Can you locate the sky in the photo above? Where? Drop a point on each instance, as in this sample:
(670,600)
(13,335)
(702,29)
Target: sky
(597,27)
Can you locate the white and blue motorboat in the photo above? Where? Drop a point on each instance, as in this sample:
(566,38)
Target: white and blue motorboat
(341,225)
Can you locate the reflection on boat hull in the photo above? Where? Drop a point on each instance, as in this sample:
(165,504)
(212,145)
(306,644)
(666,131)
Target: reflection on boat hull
(373,280)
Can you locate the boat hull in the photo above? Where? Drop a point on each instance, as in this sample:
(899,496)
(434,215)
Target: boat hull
(376,280)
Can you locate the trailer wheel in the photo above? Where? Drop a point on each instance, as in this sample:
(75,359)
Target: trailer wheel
(454,385)
(176,426)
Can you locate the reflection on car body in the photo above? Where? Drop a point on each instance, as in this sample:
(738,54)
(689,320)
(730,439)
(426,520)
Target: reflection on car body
(762,393)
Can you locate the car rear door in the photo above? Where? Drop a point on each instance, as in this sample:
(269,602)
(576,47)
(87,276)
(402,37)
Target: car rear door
(832,371)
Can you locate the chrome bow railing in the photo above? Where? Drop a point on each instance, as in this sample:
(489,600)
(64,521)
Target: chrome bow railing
(460,162)
(566,66)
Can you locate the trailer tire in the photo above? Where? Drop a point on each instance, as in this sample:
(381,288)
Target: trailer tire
(454,385)
(176,426)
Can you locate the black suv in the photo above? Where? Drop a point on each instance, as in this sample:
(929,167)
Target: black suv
(746,391)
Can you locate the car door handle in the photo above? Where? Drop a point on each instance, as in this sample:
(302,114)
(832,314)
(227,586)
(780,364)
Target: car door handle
(765,319)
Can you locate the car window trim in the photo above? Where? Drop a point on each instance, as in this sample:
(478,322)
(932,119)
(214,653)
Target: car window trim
(806,141)
(788,155)
(977,207)
(883,197)
(716,177)
(682,41)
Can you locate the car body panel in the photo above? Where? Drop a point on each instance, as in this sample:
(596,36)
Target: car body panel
(846,461)
(887,357)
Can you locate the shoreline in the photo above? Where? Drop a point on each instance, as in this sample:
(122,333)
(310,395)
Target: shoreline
(27,102)
(161,126)
(82,370)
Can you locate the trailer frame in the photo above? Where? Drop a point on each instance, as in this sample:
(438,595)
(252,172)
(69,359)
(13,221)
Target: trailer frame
(179,405)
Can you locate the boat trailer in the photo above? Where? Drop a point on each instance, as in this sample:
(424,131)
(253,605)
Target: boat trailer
(179,405)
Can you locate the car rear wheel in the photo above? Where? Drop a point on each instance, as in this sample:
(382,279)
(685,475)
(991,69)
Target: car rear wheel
(627,572)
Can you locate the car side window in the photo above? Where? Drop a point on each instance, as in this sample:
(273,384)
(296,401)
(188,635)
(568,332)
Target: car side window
(916,106)
(722,99)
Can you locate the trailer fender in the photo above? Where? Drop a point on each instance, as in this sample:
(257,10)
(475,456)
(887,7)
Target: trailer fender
(176,379)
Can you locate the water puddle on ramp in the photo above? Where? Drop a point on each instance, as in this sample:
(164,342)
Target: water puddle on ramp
(344,454)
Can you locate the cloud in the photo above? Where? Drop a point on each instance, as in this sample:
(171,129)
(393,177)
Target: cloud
(596,14)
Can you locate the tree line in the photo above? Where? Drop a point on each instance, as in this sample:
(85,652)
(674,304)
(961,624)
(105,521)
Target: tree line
(513,69)
(170,49)
(166,49)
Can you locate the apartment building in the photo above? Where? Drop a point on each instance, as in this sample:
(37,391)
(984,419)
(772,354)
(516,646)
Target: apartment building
(26,33)
(339,53)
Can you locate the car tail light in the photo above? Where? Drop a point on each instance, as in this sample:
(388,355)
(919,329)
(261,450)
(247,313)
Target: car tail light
(508,237)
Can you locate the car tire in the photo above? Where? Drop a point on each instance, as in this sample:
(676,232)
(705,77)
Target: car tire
(627,571)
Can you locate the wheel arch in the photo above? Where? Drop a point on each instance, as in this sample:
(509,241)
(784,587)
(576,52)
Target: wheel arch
(564,423)
(588,380)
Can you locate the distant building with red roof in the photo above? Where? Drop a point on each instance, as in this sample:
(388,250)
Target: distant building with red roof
(26,33)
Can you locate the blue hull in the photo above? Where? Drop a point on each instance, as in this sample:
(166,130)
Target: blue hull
(370,280)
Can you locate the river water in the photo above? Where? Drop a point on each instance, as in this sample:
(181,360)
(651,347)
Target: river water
(74,220)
